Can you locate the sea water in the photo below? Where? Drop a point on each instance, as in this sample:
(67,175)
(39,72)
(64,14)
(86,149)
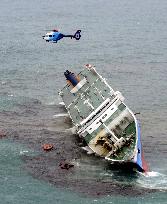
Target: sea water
(127,42)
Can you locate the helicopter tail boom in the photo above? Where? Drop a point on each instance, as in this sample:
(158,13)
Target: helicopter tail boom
(77,35)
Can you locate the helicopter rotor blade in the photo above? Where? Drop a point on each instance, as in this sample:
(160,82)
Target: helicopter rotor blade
(52,29)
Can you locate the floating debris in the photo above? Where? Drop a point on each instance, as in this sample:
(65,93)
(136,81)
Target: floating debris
(65,165)
(47,147)
(2,134)
(137,113)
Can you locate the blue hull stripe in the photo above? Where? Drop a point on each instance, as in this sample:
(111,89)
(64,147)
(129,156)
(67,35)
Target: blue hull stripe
(139,147)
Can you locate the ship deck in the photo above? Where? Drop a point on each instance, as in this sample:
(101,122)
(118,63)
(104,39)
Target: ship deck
(88,98)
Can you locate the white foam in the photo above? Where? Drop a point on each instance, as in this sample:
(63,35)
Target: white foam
(153,180)
(51,103)
(88,150)
(152,174)
(60,115)
(22,152)
(62,103)
(3,82)
(72,130)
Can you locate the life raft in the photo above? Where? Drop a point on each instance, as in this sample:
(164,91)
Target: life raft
(47,147)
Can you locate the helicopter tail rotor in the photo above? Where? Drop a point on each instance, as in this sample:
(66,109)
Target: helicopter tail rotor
(77,35)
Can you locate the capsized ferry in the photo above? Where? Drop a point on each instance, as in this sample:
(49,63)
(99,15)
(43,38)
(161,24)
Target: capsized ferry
(100,116)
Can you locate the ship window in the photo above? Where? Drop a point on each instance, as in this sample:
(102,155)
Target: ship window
(97,122)
(53,35)
(90,128)
(104,116)
(122,122)
(50,36)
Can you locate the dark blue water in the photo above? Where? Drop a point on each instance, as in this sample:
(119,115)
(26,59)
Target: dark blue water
(127,42)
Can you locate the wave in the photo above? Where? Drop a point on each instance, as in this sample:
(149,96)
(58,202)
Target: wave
(153,180)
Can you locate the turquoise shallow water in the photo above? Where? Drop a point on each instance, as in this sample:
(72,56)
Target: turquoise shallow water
(126,40)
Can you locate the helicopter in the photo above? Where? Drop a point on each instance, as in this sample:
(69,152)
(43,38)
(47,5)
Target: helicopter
(55,35)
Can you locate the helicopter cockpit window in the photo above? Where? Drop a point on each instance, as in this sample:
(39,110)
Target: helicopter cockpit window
(50,36)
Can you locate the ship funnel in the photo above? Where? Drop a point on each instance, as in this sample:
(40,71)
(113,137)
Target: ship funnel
(71,78)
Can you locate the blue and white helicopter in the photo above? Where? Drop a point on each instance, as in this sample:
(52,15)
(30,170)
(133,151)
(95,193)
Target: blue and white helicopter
(55,35)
